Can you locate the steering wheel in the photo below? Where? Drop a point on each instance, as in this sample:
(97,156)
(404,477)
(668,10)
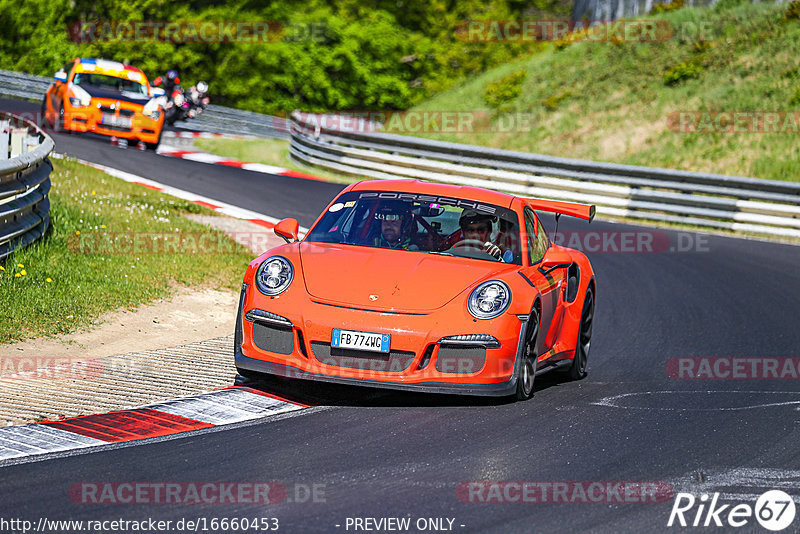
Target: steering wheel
(469,242)
(478,244)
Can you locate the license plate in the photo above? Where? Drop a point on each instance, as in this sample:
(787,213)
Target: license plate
(113,120)
(369,341)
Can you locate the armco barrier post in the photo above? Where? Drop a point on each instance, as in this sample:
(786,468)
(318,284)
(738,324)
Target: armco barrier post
(17,140)
(24,183)
(4,144)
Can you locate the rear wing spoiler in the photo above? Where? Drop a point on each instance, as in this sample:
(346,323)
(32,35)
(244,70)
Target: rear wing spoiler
(582,211)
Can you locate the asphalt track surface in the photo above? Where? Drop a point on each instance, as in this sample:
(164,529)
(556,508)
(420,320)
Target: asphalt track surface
(381,454)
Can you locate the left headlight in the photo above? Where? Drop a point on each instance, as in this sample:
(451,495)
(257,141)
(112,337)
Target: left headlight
(274,275)
(489,300)
(78,97)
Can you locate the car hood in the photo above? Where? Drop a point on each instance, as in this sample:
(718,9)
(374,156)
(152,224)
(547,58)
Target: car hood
(391,280)
(131,98)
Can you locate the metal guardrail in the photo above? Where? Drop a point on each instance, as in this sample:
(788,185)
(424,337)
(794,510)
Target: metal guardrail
(711,200)
(24,183)
(217,119)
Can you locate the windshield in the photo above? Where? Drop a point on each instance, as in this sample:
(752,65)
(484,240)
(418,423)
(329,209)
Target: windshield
(421,223)
(109,83)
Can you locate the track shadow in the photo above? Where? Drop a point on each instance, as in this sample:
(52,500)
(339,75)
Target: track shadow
(327,394)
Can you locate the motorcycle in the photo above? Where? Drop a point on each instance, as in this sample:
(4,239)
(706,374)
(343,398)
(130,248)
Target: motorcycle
(186,104)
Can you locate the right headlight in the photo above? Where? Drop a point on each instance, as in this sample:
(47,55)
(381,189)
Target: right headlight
(489,300)
(274,275)
(151,109)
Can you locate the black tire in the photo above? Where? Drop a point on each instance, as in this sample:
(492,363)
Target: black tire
(249,378)
(58,125)
(527,369)
(43,113)
(154,146)
(577,370)
(170,116)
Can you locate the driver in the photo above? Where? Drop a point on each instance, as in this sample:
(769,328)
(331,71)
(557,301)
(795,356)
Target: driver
(477,226)
(396,220)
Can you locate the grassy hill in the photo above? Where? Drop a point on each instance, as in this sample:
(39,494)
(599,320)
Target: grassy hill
(612,101)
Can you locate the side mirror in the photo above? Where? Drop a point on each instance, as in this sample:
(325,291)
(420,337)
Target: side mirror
(158,91)
(554,259)
(60,76)
(287,229)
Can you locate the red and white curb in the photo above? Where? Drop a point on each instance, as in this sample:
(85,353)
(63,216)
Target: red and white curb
(216,205)
(205,157)
(217,408)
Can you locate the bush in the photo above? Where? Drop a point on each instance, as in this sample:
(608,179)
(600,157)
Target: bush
(561,44)
(552,102)
(663,8)
(793,11)
(505,89)
(702,46)
(682,71)
(795,100)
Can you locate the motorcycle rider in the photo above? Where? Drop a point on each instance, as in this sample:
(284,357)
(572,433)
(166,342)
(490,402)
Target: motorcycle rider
(198,98)
(169,81)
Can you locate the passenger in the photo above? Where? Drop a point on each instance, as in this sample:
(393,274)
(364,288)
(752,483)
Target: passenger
(477,226)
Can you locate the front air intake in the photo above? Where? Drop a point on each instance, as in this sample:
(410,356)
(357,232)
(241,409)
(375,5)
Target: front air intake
(273,338)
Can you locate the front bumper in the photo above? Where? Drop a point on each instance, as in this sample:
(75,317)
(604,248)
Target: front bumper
(427,367)
(88,119)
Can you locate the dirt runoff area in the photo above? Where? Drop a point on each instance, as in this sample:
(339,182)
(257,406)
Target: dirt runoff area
(174,347)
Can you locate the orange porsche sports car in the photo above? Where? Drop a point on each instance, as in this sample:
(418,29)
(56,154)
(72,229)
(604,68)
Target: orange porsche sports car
(105,97)
(420,286)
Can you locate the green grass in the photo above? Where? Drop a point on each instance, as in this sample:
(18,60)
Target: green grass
(83,285)
(610,101)
(268,151)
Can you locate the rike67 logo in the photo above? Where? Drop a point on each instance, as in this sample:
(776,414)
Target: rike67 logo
(774,510)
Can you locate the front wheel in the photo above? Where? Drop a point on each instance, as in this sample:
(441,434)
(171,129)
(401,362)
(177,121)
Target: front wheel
(43,113)
(578,368)
(172,115)
(527,369)
(154,146)
(59,124)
